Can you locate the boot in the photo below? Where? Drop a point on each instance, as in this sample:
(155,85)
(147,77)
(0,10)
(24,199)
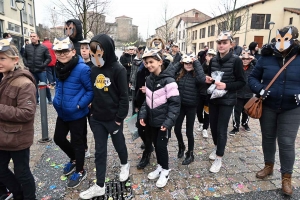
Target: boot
(144,161)
(267,170)
(287,188)
(189,157)
(181,150)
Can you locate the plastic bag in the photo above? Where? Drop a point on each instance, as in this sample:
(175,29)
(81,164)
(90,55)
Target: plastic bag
(131,123)
(218,93)
(217,76)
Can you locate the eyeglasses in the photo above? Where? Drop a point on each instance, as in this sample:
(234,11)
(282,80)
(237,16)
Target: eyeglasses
(222,42)
(64,52)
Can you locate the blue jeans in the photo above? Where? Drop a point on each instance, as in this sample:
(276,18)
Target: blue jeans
(41,77)
(51,74)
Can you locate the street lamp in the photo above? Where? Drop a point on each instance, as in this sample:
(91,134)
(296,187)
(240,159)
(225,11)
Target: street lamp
(20,5)
(271,26)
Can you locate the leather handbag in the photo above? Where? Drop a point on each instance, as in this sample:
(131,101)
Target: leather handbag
(253,108)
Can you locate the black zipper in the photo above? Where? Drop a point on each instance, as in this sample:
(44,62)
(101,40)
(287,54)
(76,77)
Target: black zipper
(62,98)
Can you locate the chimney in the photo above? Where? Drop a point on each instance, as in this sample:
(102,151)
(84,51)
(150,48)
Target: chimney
(196,15)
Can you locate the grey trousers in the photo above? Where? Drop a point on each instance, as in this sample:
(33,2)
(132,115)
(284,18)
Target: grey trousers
(283,126)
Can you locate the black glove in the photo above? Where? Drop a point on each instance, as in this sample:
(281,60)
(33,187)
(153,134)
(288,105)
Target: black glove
(264,94)
(297,97)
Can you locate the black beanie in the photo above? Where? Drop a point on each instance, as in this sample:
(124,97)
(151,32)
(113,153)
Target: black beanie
(252,45)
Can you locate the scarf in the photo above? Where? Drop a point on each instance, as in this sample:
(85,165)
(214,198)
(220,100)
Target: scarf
(63,71)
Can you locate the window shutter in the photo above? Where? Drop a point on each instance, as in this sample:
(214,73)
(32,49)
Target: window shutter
(268,18)
(253,21)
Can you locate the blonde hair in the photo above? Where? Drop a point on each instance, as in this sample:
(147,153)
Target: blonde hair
(13,52)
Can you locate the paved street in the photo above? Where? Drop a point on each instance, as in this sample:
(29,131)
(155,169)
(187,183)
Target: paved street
(242,159)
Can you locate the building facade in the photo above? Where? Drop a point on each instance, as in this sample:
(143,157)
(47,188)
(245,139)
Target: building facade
(250,26)
(10,21)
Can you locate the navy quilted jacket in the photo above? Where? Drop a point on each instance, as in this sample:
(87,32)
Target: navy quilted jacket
(283,90)
(75,90)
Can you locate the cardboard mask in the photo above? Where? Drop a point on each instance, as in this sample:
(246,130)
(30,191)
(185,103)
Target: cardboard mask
(151,53)
(96,58)
(157,43)
(284,39)
(4,45)
(224,35)
(186,59)
(62,43)
(70,29)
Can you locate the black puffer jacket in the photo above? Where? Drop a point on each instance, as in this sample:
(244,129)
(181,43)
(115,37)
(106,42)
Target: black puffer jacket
(176,58)
(162,105)
(134,68)
(78,37)
(246,92)
(36,57)
(189,84)
(141,76)
(233,77)
(126,60)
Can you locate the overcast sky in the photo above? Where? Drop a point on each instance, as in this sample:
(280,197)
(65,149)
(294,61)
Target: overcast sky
(147,14)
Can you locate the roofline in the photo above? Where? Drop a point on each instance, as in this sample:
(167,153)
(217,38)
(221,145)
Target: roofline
(248,5)
(123,17)
(292,10)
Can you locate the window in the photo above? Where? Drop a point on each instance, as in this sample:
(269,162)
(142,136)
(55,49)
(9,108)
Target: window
(12,4)
(183,36)
(211,44)
(1,28)
(260,21)
(201,45)
(179,35)
(1,6)
(195,35)
(203,33)
(25,31)
(222,26)
(17,28)
(11,26)
(237,23)
(237,40)
(291,21)
(212,30)
(208,31)
(29,9)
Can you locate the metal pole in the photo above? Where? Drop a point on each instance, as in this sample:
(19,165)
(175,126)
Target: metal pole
(246,27)
(269,36)
(22,29)
(43,109)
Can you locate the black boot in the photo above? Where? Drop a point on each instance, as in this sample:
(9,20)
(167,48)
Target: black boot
(189,157)
(144,161)
(181,150)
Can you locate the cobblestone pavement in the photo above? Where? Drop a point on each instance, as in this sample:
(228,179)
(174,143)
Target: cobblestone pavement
(243,157)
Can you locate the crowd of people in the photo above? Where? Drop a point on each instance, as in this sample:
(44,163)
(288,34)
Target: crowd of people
(164,86)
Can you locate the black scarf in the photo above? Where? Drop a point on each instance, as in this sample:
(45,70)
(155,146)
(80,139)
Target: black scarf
(63,71)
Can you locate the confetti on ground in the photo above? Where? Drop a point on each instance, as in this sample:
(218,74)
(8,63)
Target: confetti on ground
(48,159)
(56,149)
(196,198)
(199,153)
(53,165)
(95,181)
(127,184)
(63,178)
(46,198)
(48,147)
(211,189)
(106,180)
(94,169)
(135,186)
(52,187)
(240,186)
(197,175)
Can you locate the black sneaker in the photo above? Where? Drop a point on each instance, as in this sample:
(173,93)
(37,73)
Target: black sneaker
(6,196)
(234,131)
(77,178)
(246,127)
(69,168)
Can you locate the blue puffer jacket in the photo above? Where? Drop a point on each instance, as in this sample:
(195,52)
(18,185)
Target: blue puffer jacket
(283,90)
(75,90)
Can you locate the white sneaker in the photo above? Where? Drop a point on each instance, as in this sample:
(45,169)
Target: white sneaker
(200,127)
(94,191)
(216,166)
(213,154)
(155,174)
(124,174)
(163,178)
(87,153)
(10,196)
(204,133)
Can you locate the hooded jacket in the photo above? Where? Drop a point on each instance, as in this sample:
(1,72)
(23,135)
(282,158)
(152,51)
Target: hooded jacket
(162,105)
(49,45)
(78,37)
(245,92)
(17,110)
(73,91)
(126,60)
(134,68)
(109,85)
(283,90)
(141,76)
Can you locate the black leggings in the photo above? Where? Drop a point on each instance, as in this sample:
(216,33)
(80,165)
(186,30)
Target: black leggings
(75,149)
(160,141)
(203,120)
(190,113)
(146,138)
(219,116)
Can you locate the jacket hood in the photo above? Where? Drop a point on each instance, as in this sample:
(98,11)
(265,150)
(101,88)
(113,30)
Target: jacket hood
(21,72)
(252,45)
(108,46)
(78,25)
(165,73)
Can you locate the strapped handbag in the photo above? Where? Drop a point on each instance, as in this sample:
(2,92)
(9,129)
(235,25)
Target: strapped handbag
(253,108)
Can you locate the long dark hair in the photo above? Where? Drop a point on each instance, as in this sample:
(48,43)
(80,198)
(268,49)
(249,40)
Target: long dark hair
(183,72)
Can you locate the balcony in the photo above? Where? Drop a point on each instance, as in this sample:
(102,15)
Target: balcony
(24,15)
(30,20)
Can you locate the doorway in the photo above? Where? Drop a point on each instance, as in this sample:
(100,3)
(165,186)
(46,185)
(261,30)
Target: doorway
(259,40)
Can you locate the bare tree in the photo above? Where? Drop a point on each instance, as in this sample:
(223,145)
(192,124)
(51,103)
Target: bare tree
(89,12)
(56,30)
(42,31)
(167,31)
(229,17)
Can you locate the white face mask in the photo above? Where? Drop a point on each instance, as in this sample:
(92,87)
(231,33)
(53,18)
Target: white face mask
(96,58)
(284,40)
